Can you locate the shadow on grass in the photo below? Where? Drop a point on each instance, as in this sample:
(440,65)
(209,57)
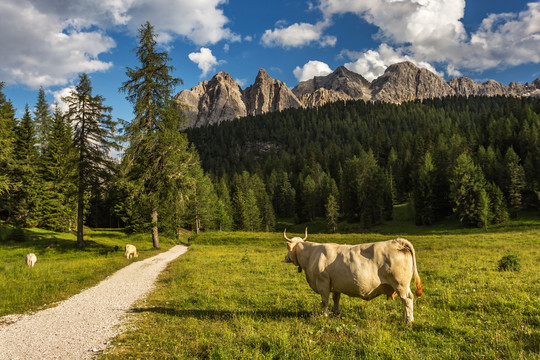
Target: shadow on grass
(223,314)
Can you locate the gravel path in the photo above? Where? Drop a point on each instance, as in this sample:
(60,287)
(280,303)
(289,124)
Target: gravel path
(83,325)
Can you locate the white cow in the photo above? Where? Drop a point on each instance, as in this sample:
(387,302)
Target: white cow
(365,270)
(131,251)
(31,259)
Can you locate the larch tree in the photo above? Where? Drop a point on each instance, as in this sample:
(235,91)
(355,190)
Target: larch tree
(93,140)
(153,159)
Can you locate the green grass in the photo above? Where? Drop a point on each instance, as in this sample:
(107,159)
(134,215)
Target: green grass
(233,297)
(63,270)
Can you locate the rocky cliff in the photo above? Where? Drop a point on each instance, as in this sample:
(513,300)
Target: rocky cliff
(222,99)
(341,81)
(268,94)
(213,101)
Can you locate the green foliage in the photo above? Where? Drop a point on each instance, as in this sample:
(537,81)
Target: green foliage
(509,263)
(158,158)
(467,190)
(332,213)
(93,139)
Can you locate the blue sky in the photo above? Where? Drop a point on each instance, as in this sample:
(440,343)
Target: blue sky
(49,42)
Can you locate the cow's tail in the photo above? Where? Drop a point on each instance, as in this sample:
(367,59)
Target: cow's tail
(418,290)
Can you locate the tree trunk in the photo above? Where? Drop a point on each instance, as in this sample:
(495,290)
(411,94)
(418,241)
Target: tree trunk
(80,210)
(197,223)
(155,236)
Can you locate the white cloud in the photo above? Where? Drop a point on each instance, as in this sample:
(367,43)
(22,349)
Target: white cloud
(39,49)
(432,31)
(59,95)
(47,43)
(204,60)
(311,69)
(298,35)
(372,63)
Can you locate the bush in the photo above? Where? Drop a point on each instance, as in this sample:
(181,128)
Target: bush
(509,263)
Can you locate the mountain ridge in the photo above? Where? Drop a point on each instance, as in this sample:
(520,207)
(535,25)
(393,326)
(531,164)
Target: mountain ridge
(222,99)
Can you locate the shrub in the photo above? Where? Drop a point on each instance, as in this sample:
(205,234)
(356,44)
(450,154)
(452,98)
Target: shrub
(509,263)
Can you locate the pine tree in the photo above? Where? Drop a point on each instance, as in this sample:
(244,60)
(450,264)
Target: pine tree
(514,180)
(253,214)
(424,191)
(149,88)
(93,139)
(43,120)
(26,197)
(332,213)
(7,147)
(467,191)
(58,212)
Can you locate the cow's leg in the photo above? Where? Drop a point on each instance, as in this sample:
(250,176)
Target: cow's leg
(407,298)
(336,296)
(325,295)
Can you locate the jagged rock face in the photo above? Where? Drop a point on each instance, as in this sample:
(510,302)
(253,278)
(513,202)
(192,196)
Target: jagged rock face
(323,96)
(268,94)
(464,86)
(405,82)
(492,88)
(213,101)
(342,80)
(222,99)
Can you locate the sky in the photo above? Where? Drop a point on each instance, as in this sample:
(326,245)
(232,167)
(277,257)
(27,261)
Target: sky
(48,43)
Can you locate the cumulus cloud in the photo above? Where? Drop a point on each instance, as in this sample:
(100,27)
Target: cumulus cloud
(372,63)
(298,35)
(204,60)
(47,43)
(59,95)
(311,69)
(432,31)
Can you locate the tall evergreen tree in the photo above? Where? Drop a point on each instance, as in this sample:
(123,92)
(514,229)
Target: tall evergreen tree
(93,139)
(58,211)
(149,88)
(26,197)
(42,116)
(514,181)
(424,191)
(467,190)
(332,213)
(7,146)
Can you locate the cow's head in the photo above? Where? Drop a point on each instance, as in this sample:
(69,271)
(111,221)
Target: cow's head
(291,246)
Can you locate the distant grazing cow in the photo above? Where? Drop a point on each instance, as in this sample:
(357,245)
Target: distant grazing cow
(31,259)
(131,251)
(365,270)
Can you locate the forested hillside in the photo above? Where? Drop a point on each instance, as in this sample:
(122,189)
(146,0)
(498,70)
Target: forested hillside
(477,156)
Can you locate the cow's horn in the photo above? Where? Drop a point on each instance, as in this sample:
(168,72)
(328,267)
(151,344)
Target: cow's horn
(304,239)
(285,236)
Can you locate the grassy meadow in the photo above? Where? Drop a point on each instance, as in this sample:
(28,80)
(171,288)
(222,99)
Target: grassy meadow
(61,270)
(233,297)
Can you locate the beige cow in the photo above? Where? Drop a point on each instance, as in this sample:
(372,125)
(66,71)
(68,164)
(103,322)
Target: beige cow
(31,259)
(131,251)
(365,270)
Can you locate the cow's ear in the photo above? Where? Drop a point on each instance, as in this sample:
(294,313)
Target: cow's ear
(290,246)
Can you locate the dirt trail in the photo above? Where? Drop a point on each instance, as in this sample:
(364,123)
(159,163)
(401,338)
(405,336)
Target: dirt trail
(83,325)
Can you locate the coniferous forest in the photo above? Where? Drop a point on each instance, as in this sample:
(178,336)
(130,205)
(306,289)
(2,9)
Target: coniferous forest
(476,158)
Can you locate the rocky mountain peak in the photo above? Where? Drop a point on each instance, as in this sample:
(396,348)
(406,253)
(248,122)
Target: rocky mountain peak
(342,81)
(221,98)
(213,101)
(406,82)
(268,94)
